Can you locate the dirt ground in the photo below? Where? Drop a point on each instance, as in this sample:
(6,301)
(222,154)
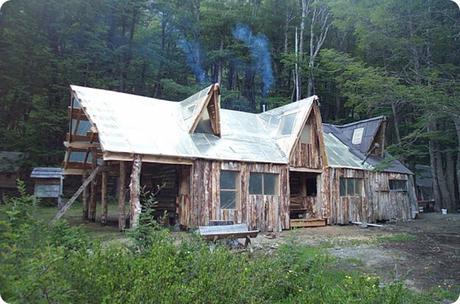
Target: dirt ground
(422,253)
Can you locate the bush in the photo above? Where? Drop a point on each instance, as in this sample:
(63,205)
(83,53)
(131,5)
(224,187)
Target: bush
(41,263)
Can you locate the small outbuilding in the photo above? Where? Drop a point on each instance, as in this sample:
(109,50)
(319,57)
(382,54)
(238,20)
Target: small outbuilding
(48,183)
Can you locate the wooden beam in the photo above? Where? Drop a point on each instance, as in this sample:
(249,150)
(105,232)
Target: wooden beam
(75,165)
(147,158)
(302,169)
(92,201)
(320,132)
(85,138)
(121,196)
(104,197)
(81,145)
(85,197)
(135,189)
(74,172)
(77,113)
(67,205)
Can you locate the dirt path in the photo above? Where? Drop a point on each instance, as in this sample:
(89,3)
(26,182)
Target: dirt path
(423,253)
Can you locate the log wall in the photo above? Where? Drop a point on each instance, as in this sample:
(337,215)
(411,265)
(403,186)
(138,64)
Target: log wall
(202,203)
(308,155)
(377,202)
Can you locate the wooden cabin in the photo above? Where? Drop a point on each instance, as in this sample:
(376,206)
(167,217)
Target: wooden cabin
(365,183)
(268,170)
(204,162)
(10,165)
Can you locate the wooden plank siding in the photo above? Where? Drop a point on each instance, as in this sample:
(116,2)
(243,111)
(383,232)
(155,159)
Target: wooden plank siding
(264,212)
(307,155)
(376,203)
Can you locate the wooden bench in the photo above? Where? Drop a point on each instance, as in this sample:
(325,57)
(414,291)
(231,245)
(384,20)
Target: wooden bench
(235,231)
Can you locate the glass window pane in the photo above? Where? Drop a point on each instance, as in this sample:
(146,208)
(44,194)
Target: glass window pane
(270,184)
(227,179)
(227,199)
(398,185)
(287,123)
(343,187)
(305,136)
(358,186)
(83,127)
(79,157)
(255,183)
(350,186)
(357,136)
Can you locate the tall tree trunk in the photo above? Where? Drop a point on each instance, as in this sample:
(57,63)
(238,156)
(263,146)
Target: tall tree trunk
(296,67)
(320,20)
(457,128)
(396,122)
(433,163)
(450,181)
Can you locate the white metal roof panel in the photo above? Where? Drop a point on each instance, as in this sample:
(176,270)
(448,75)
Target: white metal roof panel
(134,124)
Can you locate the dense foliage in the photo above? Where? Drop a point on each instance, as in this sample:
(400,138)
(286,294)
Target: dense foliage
(42,263)
(362,57)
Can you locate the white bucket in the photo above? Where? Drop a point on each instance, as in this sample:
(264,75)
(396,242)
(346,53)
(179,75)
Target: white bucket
(444,211)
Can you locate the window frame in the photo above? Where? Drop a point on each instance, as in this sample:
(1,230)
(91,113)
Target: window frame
(390,180)
(276,186)
(357,183)
(236,190)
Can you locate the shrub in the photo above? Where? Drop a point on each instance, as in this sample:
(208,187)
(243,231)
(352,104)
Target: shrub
(41,263)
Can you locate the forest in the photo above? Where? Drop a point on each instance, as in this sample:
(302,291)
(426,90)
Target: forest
(363,58)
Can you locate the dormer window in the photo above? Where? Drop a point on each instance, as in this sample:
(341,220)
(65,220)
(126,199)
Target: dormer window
(204,124)
(357,136)
(287,123)
(208,119)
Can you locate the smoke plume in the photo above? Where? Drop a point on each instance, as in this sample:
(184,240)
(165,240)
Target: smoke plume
(258,46)
(193,55)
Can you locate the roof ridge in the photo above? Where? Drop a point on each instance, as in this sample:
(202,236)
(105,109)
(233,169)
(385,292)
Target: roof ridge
(361,121)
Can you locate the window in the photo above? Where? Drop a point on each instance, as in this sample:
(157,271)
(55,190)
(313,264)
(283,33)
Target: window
(263,183)
(398,185)
(228,189)
(305,136)
(204,125)
(357,136)
(350,186)
(287,123)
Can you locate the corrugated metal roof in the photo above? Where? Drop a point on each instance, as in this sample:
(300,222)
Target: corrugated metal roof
(46,172)
(134,124)
(10,162)
(339,155)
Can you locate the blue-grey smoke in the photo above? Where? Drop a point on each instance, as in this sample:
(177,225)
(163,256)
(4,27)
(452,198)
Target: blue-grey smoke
(258,46)
(193,55)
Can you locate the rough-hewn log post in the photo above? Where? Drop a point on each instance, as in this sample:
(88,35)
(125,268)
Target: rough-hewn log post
(85,198)
(121,196)
(135,188)
(92,200)
(104,197)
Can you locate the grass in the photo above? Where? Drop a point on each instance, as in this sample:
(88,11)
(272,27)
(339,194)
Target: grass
(96,230)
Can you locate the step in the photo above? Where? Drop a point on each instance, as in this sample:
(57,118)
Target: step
(303,223)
